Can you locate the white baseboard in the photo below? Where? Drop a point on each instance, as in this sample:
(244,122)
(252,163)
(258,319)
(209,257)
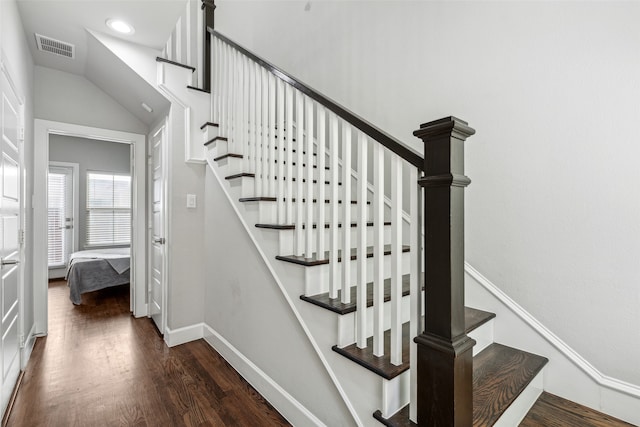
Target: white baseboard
(183,335)
(586,384)
(286,404)
(29,342)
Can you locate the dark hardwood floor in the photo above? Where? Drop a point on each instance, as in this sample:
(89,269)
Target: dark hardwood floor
(101,367)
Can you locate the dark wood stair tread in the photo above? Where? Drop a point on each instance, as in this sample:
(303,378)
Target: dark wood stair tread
(293,200)
(198,89)
(313,260)
(168,61)
(240,175)
(292,226)
(500,374)
(554,411)
(382,365)
(209,124)
(257,199)
(224,156)
(214,139)
(335,305)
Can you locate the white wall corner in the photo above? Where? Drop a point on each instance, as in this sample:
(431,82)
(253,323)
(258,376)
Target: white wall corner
(174,337)
(286,404)
(568,374)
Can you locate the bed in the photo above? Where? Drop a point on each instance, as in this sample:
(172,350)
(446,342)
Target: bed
(97,269)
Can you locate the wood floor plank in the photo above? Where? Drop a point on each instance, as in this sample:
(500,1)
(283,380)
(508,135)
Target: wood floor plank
(99,366)
(553,411)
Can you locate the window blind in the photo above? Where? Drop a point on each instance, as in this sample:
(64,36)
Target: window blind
(56,219)
(108,209)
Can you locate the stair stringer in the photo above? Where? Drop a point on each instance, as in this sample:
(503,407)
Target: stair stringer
(267,255)
(362,390)
(567,374)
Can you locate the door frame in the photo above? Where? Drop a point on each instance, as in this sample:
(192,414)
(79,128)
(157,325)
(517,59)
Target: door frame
(75,184)
(42,130)
(164,128)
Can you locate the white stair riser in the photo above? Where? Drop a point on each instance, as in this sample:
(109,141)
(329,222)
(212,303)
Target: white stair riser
(317,277)
(287,237)
(217,148)
(483,336)
(396,393)
(210,132)
(516,412)
(347,323)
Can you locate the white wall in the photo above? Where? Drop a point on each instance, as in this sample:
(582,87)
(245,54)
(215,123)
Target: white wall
(91,155)
(70,98)
(244,304)
(185,242)
(15,52)
(552,89)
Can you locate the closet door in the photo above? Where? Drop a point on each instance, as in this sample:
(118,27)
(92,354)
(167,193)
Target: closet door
(10,273)
(157,288)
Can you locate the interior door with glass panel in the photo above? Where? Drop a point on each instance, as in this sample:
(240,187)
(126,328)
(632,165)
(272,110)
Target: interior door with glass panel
(10,217)
(60,218)
(157,298)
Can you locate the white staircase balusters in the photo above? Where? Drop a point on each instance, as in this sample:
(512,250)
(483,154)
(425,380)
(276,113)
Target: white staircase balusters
(361,225)
(253,122)
(321,162)
(271,160)
(285,135)
(308,146)
(396,260)
(288,145)
(264,77)
(299,247)
(346,216)
(378,249)
(281,152)
(334,281)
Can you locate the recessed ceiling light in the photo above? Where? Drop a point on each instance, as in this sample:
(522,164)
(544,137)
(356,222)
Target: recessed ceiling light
(146,107)
(119,26)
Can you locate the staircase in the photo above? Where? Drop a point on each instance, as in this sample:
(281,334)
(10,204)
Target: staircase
(336,208)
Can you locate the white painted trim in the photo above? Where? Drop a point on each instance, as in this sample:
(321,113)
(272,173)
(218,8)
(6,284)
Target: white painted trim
(286,296)
(189,156)
(183,335)
(29,342)
(286,404)
(597,376)
(42,130)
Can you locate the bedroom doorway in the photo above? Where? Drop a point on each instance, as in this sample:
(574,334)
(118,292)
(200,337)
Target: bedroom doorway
(105,218)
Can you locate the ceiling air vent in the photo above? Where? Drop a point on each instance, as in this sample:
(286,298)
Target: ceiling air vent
(47,44)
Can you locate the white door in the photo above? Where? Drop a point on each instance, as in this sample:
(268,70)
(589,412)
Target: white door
(60,217)
(157,297)
(10,276)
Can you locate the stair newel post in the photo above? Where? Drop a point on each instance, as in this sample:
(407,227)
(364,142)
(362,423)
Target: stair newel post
(444,362)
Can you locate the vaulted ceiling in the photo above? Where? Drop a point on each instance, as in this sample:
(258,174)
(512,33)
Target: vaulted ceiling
(69,20)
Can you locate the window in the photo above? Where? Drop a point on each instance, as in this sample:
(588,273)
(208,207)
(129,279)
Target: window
(108,209)
(56,219)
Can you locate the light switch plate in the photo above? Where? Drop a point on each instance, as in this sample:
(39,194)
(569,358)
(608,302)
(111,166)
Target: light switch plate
(191,201)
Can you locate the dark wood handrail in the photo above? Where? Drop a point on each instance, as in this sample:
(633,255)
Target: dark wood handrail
(399,148)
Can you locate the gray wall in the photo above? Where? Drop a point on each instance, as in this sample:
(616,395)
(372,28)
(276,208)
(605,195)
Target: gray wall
(92,155)
(69,98)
